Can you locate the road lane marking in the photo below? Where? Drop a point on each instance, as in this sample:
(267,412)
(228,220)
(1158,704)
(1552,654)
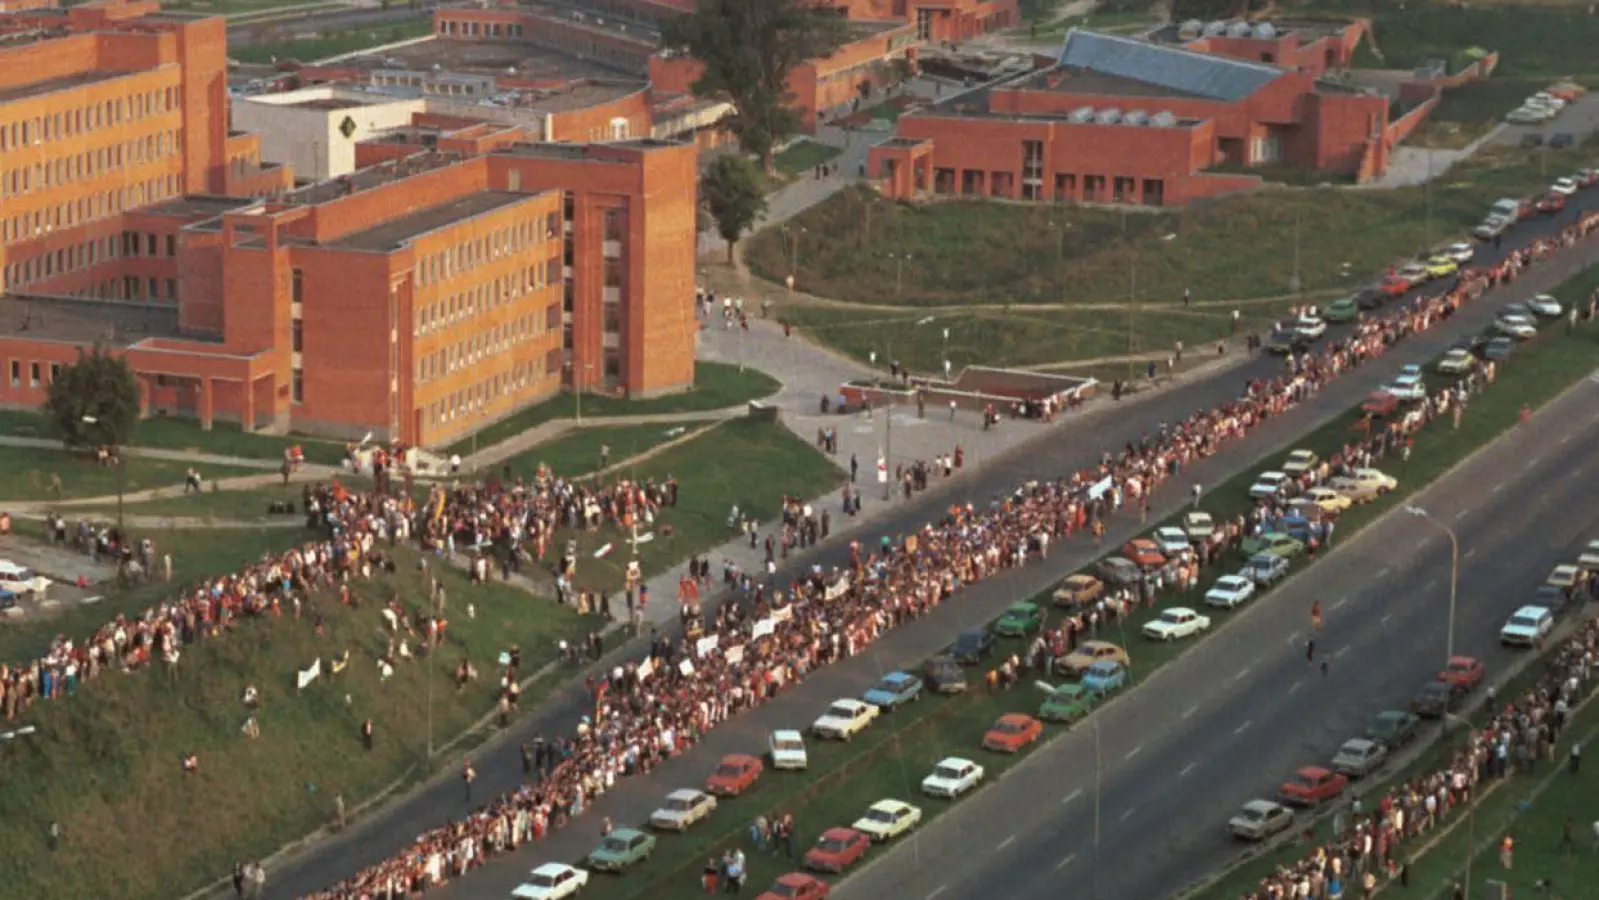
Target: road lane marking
(1133,752)
(1128,814)
(1386,618)
(1190,710)
(1470,553)
(1297,686)
(1293,639)
(1243,673)
(1186,769)
(1065,862)
(1242,728)
(1341,652)
(938,890)
(1384,573)
(1537,459)
(1072,796)
(1006,842)
(1461,515)
(1497,488)
(1431,584)
(1565,440)
(1339,603)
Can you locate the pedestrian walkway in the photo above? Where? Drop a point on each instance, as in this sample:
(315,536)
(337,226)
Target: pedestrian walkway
(187,456)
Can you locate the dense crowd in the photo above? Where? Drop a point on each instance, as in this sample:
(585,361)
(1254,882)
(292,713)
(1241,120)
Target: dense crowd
(653,708)
(1520,735)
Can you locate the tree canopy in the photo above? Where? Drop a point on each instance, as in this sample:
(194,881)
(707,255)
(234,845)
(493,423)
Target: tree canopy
(94,401)
(732,191)
(748,49)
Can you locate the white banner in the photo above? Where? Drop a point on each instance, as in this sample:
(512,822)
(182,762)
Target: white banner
(734,655)
(763,628)
(646,668)
(686,667)
(783,614)
(306,676)
(706,644)
(837,589)
(1099,488)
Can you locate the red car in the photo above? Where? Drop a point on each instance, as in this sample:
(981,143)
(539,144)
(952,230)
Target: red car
(1552,204)
(1313,785)
(1462,672)
(1380,403)
(836,850)
(797,886)
(1144,552)
(1012,732)
(733,775)
(1395,285)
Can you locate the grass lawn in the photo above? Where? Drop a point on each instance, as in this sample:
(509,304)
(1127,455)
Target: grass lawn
(716,386)
(1543,40)
(577,453)
(333,43)
(802,157)
(224,438)
(890,760)
(26,474)
(233,7)
(750,464)
(1470,111)
(243,505)
(105,764)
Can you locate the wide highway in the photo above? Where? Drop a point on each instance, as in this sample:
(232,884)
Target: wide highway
(1231,721)
(1075,443)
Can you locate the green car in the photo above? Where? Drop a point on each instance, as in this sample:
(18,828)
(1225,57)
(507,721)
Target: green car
(621,849)
(1344,309)
(1068,704)
(1020,619)
(1275,544)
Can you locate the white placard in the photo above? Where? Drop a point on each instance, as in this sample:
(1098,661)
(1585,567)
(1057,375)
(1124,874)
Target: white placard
(686,667)
(706,644)
(763,628)
(734,655)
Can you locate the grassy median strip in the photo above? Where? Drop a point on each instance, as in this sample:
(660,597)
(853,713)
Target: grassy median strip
(891,759)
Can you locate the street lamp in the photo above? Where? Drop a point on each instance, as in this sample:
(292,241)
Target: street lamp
(899,270)
(888,419)
(122,475)
(793,252)
(577,386)
(1454,573)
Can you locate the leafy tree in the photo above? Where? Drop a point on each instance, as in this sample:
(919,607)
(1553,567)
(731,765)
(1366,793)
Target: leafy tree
(94,401)
(748,48)
(732,191)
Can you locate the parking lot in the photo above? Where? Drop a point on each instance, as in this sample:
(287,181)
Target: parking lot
(1579,120)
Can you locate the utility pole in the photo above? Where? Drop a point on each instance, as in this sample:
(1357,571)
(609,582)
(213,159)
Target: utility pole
(1098,784)
(1426,234)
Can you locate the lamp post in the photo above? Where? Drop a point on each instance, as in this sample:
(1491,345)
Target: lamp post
(899,270)
(577,386)
(1454,578)
(888,422)
(793,252)
(122,475)
(1098,784)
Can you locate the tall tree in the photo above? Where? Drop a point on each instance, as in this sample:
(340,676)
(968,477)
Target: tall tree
(732,191)
(748,48)
(94,401)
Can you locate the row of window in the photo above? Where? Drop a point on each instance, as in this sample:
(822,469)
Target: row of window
(479,29)
(475,399)
(83,119)
(447,311)
(90,208)
(468,255)
(89,164)
(88,254)
(479,347)
(34,371)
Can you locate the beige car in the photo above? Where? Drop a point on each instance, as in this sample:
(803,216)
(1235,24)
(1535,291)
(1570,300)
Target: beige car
(1327,499)
(1564,576)
(1075,663)
(1079,590)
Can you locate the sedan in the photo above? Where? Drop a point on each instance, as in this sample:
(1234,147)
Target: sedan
(1551,204)
(972,646)
(1268,485)
(1104,676)
(1300,461)
(1176,622)
(1460,251)
(1564,187)
(788,750)
(1273,544)
(1012,732)
(888,819)
(1407,387)
(1312,786)
(1260,819)
(1199,525)
(1564,576)
(1079,590)
(1498,349)
(1359,757)
(1436,700)
(1019,620)
(1544,305)
(1230,591)
(734,775)
(621,849)
(552,881)
(1327,500)
(1075,663)
(1589,559)
(1456,362)
(797,886)
(1120,572)
(1491,227)
(952,777)
(1392,728)
(1173,542)
(682,809)
(893,690)
(1464,672)
(1344,309)
(1441,266)
(1144,552)
(944,675)
(1310,327)
(1265,569)
(845,719)
(836,850)
(1527,627)
(1067,703)
(1516,326)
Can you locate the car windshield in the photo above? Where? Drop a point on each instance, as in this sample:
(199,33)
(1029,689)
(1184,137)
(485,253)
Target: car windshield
(1017,613)
(613,845)
(1383,725)
(951,773)
(879,815)
(543,881)
(832,844)
(1231,583)
(1354,749)
(841,711)
(1006,726)
(730,770)
(1304,780)
(1525,621)
(680,804)
(786,743)
(1252,814)
(1459,668)
(1173,618)
(891,685)
(784,890)
(1102,669)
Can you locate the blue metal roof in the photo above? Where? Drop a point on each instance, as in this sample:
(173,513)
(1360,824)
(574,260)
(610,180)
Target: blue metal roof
(1188,71)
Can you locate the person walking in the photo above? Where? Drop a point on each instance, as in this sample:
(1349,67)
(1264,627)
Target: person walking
(1310,650)
(468,775)
(1315,615)
(1574,762)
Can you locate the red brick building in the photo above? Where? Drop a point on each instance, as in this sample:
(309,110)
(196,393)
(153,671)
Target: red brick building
(1123,120)
(1314,48)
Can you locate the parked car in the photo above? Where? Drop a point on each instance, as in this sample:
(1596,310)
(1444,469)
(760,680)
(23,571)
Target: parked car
(1173,542)
(1564,576)
(972,646)
(787,748)
(1144,553)
(1310,327)
(1492,227)
(1012,732)
(1359,757)
(1286,340)
(944,675)
(1440,266)
(1435,700)
(1230,591)
(1312,786)
(1260,819)
(888,819)
(1075,663)
(1544,305)
(1079,590)
(952,777)
(1519,327)
(1498,349)
(1067,703)
(836,850)
(1565,187)
(1299,462)
(1460,251)
(797,886)
(1464,672)
(1273,543)
(1527,627)
(1456,362)
(1268,485)
(1265,569)
(1344,309)
(1199,525)
(1020,620)
(682,809)
(1393,728)
(1326,499)
(1104,676)
(845,719)
(622,848)
(734,775)
(1551,204)
(894,690)
(552,881)
(1175,622)
(1120,572)
(1407,387)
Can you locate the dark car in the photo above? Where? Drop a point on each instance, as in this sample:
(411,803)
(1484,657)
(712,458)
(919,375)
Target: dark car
(1499,348)
(1436,700)
(1283,340)
(1552,598)
(944,675)
(972,646)
(1370,298)
(1472,343)
(1563,139)
(1392,728)
(1532,140)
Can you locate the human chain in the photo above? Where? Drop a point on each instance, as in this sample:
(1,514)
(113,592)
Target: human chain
(656,707)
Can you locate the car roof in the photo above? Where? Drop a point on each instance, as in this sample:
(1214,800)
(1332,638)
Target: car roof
(1461,660)
(1312,771)
(1360,743)
(1234,579)
(1263,806)
(788,734)
(955,761)
(625,833)
(899,676)
(685,794)
(889,804)
(1086,645)
(740,758)
(551,868)
(796,879)
(850,702)
(1105,664)
(1530,610)
(1015,717)
(840,832)
(1179,609)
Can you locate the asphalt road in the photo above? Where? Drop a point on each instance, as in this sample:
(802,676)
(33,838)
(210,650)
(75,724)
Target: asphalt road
(1076,443)
(1230,722)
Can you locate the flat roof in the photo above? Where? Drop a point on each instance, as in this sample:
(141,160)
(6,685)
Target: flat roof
(326,103)
(974,104)
(1304,29)
(1167,67)
(84,321)
(51,85)
(584,152)
(481,58)
(1075,80)
(370,177)
(194,205)
(393,234)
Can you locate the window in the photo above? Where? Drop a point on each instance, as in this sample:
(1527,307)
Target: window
(613,318)
(172,289)
(172,245)
(55,372)
(33,374)
(16,373)
(297,285)
(615,225)
(150,245)
(297,385)
(298,329)
(613,273)
(552,317)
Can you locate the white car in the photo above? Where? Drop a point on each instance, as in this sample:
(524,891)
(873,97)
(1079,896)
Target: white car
(1527,627)
(1199,525)
(22,580)
(788,750)
(552,881)
(1456,362)
(1407,387)
(1372,479)
(1176,622)
(1268,485)
(1230,591)
(1260,819)
(1590,556)
(888,819)
(1460,251)
(1517,326)
(1492,227)
(1565,187)
(1414,273)
(1359,757)
(845,719)
(1310,327)
(1299,462)
(1544,305)
(1173,542)
(952,777)
(683,808)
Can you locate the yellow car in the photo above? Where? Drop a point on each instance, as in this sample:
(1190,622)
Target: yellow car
(1327,499)
(1564,575)
(1441,267)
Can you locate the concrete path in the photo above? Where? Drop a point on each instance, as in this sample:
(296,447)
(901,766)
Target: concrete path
(553,429)
(190,456)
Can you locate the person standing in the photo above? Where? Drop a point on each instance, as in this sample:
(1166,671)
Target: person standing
(468,775)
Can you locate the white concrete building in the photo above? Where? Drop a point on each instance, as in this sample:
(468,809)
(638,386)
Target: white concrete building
(315,130)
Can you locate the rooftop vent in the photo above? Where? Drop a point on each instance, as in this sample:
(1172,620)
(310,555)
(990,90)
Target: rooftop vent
(1265,31)
(1239,30)
(1108,116)
(1136,117)
(1215,29)
(1190,29)
(1081,114)
(1163,119)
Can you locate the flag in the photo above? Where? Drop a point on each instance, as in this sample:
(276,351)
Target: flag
(306,676)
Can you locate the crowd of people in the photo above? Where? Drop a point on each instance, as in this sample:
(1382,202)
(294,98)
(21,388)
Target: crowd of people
(659,705)
(1520,735)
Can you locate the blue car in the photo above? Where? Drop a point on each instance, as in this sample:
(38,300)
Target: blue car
(1296,527)
(893,690)
(1104,676)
